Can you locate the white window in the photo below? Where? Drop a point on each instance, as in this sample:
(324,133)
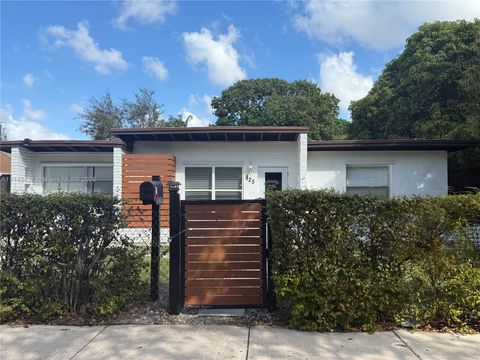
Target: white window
(368,180)
(102,177)
(85,179)
(213,183)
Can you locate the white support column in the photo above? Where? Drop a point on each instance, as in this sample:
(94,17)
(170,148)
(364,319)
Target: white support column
(23,162)
(117,172)
(302,143)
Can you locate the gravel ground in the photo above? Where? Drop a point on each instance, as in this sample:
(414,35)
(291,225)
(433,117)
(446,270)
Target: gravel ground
(155,313)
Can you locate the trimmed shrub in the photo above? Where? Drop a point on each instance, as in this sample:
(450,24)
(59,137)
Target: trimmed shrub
(341,261)
(62,254)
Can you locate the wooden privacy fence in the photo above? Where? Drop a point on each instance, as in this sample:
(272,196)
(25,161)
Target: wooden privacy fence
(137,168)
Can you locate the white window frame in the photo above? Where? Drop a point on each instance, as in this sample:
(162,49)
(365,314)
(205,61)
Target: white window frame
(387,165)
(213,167)
(80,164)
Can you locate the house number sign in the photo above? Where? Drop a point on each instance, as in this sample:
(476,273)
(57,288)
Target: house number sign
(250,179)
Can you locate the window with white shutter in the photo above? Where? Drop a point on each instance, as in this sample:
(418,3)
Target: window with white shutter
(368,180)
(213,183)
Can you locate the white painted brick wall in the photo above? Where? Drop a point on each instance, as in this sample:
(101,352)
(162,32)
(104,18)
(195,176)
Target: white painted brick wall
(302,143)
(23,165)
(117,172)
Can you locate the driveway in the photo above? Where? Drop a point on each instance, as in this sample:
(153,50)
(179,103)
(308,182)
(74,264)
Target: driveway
(226,342)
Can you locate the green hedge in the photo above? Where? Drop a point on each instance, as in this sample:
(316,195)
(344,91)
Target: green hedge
(342,261)
(62,254)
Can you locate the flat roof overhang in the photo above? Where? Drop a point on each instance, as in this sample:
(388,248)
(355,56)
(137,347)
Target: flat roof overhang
(392,145)
(80,146)
(211,133)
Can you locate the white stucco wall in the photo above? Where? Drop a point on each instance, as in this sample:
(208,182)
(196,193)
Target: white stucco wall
(244,154)
(27,166)
(411,172)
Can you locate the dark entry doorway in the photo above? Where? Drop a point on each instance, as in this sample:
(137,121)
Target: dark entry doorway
(273,181)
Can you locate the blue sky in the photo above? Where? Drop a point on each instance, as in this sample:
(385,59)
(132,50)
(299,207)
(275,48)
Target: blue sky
(56,55)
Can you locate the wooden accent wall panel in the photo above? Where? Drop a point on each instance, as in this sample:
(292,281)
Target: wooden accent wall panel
(224,257)
(137,168)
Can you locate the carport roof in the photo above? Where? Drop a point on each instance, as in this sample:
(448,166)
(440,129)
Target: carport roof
(62,145)
(211,133)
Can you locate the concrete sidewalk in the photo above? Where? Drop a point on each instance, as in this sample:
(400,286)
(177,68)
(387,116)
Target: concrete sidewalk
(225,342)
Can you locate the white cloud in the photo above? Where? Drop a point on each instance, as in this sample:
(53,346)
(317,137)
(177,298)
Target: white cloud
(218,55)
(32,114)
(205,101)
(76,108)
(199,109)
(194,120)
(376,24)
(339,75)
(144,12)
(192,100)
(29,80)
(154,67)
(85,47)
(28,125)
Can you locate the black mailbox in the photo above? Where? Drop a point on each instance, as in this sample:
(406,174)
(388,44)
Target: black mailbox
(151,192)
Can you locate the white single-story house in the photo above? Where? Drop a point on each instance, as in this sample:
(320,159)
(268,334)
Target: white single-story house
(242,157)
(230,163)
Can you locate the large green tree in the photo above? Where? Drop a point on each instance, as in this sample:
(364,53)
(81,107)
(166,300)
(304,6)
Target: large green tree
(420,93)
(103,114)
(430,91)
(277,102)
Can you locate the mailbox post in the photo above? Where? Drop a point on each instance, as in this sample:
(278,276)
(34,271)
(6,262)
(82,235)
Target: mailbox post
(151,192)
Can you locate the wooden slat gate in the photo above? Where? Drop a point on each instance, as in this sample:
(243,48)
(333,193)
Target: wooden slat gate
(224,253)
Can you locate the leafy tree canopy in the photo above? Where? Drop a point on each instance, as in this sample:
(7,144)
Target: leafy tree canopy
(276,102)
(104,114)
(429,91)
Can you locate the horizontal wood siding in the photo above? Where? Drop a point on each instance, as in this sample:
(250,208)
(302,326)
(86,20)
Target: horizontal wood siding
(223,254)
(137,168)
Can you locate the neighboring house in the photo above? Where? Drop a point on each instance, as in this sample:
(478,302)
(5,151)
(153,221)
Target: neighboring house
(230,163)
(5,169)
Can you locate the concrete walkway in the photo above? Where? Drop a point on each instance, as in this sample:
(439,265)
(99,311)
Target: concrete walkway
(225,342)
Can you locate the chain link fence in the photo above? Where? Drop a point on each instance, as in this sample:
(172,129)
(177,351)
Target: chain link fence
(139,230)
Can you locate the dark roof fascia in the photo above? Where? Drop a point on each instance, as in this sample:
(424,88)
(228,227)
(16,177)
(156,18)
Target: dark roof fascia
(392,145)
(62,145)
(212,129)
(211,133)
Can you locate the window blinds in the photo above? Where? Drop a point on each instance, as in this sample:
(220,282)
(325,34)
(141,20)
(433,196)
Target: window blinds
(198,178)
(367,176)
(229,178)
